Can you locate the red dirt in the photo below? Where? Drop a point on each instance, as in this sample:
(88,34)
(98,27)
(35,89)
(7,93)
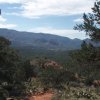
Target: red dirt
(46,96)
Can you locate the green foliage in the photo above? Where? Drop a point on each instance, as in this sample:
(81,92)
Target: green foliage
(3,93)
(33,87)
(48,76)
(91,23)
(88,57)
(54,78)
(87,53)
(86,62)
(4,42)
(11,70)
(59,56)
(28,70)
(10,65)
(71,93)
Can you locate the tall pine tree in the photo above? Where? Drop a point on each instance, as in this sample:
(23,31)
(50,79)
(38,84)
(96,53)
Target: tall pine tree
(91,23)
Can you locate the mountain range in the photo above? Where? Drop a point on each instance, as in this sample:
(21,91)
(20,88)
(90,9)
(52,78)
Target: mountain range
(21,39)
(40,40)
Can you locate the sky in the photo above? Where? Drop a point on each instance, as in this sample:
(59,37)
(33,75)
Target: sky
(47,16)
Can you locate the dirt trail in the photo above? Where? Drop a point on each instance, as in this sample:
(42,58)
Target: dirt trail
(46,96)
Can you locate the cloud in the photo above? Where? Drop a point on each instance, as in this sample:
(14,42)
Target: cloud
(10,1)
(61,32)
(14,8)
(56,7)
(13,13)
(7,25)
(38,8)
(3,23)
(2,19)
(78,20)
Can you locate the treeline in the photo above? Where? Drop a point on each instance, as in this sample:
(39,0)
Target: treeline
(19,77)
(86,62)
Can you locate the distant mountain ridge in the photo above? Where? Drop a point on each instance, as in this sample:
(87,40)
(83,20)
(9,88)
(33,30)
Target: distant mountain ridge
(40,40)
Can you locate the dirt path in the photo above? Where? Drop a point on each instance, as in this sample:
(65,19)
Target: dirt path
(46,96)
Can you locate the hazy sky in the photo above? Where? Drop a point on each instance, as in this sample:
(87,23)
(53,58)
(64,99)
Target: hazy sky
(48,16)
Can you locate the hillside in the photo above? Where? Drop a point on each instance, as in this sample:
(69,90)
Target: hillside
(40,40)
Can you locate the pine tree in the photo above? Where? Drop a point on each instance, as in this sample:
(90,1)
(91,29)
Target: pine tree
(91,23)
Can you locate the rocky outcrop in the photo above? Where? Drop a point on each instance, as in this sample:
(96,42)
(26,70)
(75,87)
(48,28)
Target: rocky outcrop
(46,63)
(96,82)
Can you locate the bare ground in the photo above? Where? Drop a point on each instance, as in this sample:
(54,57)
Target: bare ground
(46,96)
